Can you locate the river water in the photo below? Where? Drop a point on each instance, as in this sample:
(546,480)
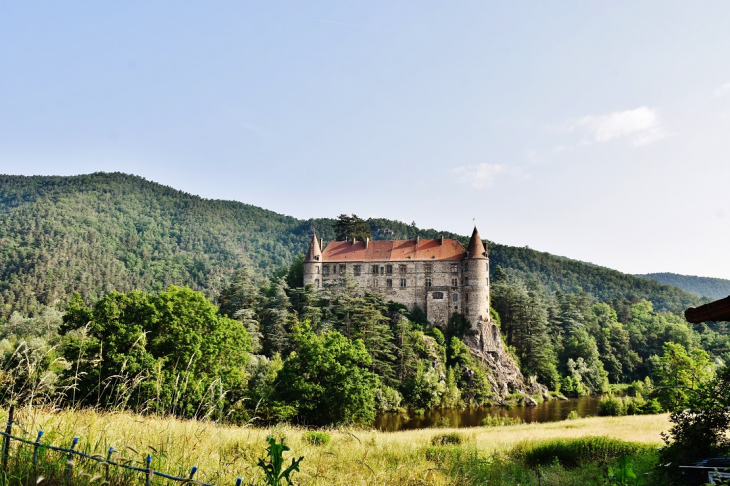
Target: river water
(550,411)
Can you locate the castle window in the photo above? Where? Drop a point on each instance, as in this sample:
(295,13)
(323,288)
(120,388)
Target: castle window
(357,269)
(466,267)
(316,257)
(389,283)
(466,297)
(389,269)
(317,270)
(454,282)
(428,268)
(381,270)
(375,282)
(455,297)
(375,269)
(454,268)
(316,282)
(402,268)
(326,270)
(402,282)
(342,269)
(428,282)
(438,295)
(466,280)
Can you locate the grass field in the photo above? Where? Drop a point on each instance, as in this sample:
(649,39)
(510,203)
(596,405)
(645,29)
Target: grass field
(352,456)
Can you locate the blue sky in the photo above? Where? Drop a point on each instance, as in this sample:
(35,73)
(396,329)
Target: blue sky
(598,131)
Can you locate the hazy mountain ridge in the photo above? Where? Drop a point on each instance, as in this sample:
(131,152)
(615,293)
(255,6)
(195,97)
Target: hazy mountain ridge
(111,231)
(715,288)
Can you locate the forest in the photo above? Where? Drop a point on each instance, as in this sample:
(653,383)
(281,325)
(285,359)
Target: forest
(120,293)
(104,232)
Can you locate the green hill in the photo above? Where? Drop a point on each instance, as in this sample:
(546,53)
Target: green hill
(110,231)
(715,288)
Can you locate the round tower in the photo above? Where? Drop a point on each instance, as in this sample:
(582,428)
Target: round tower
(313,264)
(476,281)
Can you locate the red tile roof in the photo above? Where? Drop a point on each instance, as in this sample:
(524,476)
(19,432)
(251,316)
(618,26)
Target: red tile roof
(397,250)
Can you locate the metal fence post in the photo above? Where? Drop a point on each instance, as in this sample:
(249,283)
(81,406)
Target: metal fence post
(239,481)
(70,463)
(149,470)
(35,454)
(108,458)
(192,472)
(6,443)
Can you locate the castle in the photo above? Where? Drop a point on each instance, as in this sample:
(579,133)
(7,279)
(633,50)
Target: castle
(437,275)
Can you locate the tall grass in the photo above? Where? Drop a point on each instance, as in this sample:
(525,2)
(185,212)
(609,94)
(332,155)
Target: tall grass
(352,456)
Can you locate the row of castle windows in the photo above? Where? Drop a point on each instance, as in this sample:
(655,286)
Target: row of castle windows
(387,269)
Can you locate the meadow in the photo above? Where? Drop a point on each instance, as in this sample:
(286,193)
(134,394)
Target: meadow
(480,455)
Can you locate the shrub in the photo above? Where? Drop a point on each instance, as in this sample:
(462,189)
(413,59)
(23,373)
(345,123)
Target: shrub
(453,438)
(573,415)
(497,421)
(611,406)
(443,422)
(316,438)
(573,452)
(650,407)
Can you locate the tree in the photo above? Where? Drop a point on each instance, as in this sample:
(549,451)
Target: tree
(679,373)
(352,227)
(170,352)
(327,379)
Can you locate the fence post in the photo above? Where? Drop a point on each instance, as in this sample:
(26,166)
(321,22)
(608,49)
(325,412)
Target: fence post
(149,470)
(239,481)
(192,472)
(6,443)
(108,458)
(70,463)
(35,454)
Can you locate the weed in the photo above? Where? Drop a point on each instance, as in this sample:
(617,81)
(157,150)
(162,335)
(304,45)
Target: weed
(316,438)
(273,468)
(453,438)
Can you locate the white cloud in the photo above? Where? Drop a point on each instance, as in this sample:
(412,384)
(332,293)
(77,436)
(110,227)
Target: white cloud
(723,90)
(641,125)
(477,176)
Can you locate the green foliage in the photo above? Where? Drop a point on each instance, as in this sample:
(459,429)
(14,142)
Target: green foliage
(498,421)
(611,406)
(678,373)
(274,471)
(170,352)
(573,452)
(316,437)
(327,380)
(452,438)
(623,475)
(352,227)
(715,288)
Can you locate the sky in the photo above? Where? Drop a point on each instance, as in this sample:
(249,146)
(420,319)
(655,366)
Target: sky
(599,131)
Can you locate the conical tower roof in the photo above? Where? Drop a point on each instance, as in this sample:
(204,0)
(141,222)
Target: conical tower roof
(476,247)
(314,254)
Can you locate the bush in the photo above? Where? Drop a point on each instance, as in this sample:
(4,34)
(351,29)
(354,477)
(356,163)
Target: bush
(611,406)
(573,452)
(443,423)
(497,421)
(316,438)
(453,438)
(650,407)
(573,415)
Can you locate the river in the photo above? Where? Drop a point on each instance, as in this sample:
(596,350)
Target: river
(550,411)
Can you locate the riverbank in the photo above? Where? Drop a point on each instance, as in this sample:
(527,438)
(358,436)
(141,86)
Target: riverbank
(351,457)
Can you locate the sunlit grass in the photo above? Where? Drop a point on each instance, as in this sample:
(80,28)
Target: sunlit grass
(352,457)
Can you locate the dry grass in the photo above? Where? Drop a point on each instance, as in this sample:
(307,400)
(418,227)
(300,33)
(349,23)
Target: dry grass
(352,457)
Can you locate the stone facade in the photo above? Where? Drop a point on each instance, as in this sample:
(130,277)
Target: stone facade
(437,275)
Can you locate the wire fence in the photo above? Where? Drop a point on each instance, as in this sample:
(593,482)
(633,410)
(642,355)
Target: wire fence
(71,452)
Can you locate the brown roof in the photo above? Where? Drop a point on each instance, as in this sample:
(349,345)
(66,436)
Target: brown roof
(476,247)
(313,251)
(718,310)
(396,250)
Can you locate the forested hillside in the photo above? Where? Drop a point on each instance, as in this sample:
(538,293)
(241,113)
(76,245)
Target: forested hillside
(101,232)
(716,288)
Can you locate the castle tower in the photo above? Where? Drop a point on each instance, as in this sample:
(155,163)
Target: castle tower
(476,281)
(313,264)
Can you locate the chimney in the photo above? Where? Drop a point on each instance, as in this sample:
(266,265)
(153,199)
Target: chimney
(441,238)
(367,241)
(417,239)
(353,242)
